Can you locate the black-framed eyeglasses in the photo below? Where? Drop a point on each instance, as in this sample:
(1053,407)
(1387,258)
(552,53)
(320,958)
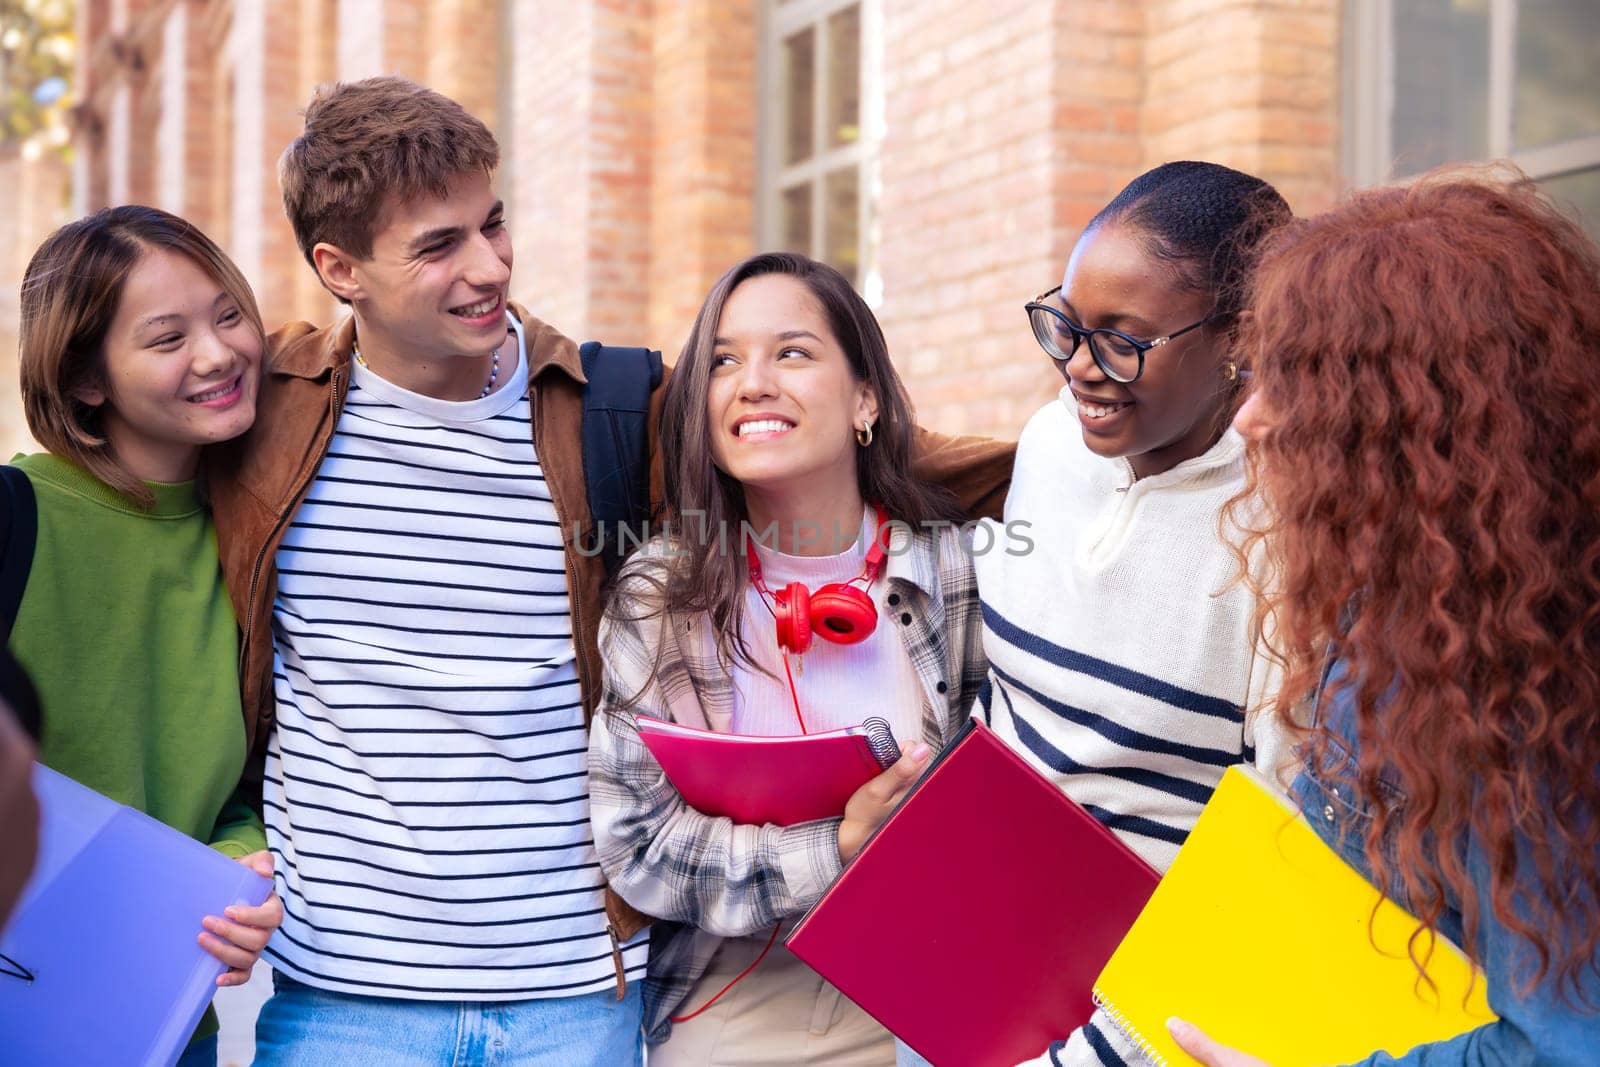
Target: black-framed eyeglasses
(1117,354)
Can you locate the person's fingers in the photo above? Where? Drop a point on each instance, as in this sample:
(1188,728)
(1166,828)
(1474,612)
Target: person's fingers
(1210,1052)
(268,916)
(910,763)
(892,782)
(260,862)
(251,937)
(1192,1040)
(230,954)
(232,977)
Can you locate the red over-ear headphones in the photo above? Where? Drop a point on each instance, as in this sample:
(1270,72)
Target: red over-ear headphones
(840,612)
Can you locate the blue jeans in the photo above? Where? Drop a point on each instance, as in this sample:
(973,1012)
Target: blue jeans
(301,1026)
(904,1056)
(201,1053)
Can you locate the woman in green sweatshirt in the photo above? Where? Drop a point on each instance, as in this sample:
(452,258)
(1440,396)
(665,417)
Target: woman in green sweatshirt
(141,344)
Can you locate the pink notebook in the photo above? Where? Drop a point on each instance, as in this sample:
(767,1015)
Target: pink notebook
(974,922)
(759,780)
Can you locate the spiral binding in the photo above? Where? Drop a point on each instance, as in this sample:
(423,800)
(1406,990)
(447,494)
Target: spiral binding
(1126,1029)
(12,969)
(880,738)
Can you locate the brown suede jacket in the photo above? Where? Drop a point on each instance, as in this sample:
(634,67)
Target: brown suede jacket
(258,481)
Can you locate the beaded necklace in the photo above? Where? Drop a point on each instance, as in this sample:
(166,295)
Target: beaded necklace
(494,368)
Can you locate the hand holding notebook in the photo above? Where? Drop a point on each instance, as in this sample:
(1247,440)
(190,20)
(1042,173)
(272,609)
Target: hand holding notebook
(1308,985)
(758,780)
(1010,897)
(240,934)
(100,963)
(874,802)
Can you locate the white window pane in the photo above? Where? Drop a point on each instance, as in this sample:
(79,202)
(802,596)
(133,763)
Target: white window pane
(799,83)
(844,77)
(841,194)
(1557,95)
(1441,80)
(795,228)
(1579,195)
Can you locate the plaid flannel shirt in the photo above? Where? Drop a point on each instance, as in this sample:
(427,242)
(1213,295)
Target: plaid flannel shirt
(709,878)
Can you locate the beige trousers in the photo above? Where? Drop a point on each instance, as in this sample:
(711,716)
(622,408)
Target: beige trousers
(781,1013)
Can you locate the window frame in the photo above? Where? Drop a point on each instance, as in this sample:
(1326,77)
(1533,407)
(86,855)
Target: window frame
(781,19)
(1369,95)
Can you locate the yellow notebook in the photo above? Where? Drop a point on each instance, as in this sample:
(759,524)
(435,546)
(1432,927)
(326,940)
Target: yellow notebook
(1259,935)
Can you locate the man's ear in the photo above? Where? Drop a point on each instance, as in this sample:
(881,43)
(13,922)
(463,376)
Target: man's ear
(337,268)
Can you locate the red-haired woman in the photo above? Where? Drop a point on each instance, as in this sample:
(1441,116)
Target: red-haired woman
(1426,435)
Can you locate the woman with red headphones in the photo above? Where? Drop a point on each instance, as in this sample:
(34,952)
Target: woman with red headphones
(806,579)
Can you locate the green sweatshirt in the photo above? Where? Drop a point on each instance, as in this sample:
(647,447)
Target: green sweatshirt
(128,634)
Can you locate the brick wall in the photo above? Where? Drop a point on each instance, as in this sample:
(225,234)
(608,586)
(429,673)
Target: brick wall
(37,201)
(1010,125)
(629,131)
(702,197)
(548,198)
(578,136)
(316,63)
(1007,125)
(461,55)
(359,36)
(618,150)
(1253,86)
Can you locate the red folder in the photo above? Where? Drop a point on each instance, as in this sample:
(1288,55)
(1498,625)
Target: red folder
(759,780)
(974,922)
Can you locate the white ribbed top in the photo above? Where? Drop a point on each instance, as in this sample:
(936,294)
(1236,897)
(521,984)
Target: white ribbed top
(839,685)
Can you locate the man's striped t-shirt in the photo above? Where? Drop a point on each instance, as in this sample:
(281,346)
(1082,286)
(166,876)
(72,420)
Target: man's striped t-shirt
(426,787)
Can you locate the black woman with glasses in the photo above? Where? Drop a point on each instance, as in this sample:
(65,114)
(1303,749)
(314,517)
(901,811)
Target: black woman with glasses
(1121,649)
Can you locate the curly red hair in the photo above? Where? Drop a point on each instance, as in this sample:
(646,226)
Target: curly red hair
(1428,366)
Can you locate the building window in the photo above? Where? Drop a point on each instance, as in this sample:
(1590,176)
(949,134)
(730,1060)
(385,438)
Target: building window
(1436,81)
(818,142)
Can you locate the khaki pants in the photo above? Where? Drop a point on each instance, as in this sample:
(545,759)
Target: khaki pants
(781,1013)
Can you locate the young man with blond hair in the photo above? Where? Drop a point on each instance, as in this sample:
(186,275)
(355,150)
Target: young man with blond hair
(421,620)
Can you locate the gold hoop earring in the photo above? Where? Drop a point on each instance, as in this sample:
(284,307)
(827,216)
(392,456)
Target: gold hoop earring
(864,435)
(1230,371)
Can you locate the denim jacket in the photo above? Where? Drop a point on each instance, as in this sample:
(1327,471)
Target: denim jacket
(1539,1028)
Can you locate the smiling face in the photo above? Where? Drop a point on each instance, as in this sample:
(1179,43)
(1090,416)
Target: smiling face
(182,364)
(783,402)
(434,287)
(1173,412)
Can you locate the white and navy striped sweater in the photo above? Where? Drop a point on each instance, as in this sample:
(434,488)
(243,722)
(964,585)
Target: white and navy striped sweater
(1121,648)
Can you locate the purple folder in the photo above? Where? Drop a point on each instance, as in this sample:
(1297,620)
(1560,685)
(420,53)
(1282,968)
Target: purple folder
(99,964)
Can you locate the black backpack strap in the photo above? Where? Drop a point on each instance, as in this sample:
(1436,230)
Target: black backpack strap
(19,529)
(616,451)
(17,689)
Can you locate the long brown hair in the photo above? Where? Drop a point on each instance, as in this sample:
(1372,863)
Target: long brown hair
(70,294)
(1427,359)
(706,508)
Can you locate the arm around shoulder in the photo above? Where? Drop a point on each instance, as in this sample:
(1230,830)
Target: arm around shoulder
(976,470)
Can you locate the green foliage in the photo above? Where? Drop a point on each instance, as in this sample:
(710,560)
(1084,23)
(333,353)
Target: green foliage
(36,56)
